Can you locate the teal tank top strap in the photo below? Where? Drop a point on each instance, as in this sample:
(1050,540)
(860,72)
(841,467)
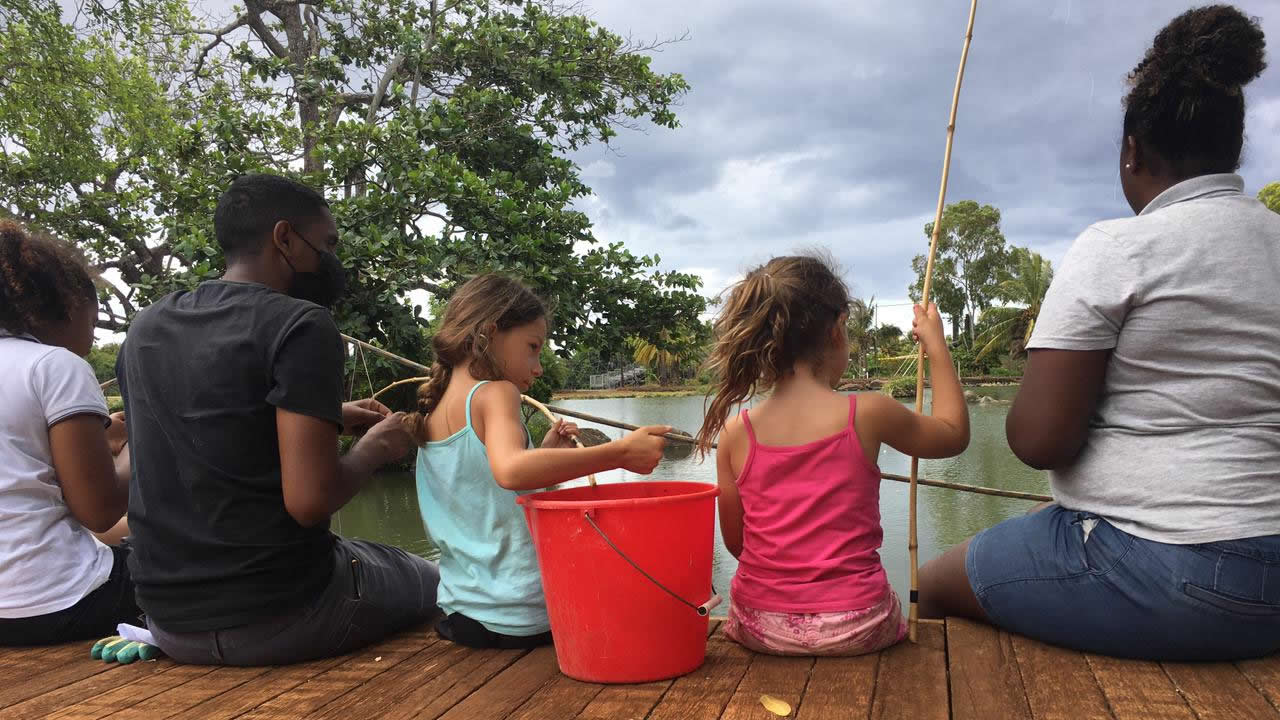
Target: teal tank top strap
(470,395)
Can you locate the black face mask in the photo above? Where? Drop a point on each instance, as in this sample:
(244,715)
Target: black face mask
(324,286)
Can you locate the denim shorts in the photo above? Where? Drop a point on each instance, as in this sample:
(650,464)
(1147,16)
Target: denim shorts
(1073,579)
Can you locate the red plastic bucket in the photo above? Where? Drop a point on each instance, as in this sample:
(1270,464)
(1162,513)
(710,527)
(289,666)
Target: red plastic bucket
(626,569)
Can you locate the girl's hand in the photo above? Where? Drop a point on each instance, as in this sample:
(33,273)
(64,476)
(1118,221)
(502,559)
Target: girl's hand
(117,435)
(926,326)
(642,449)
(561,435)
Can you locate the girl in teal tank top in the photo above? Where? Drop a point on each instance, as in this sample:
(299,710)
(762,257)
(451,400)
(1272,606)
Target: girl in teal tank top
(475,458)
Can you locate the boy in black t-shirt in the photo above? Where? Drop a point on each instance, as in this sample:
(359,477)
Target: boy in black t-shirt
(233,398)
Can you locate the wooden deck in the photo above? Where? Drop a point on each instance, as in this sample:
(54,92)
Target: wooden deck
(960,670)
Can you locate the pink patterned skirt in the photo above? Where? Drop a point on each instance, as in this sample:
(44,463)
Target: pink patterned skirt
(850,632)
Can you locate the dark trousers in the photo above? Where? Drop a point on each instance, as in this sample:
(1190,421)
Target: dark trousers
(463,630)
(93,618)
(383,591)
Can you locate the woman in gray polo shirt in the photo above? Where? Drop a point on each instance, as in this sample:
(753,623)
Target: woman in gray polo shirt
(1152,393)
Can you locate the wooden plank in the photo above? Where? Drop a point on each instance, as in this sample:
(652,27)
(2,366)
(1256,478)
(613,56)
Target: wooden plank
(278,681)
(704,692)
(1059,683)
(782,677)
(426,685)
(632,702)
(460,680)
(303,699)
(1137,690)
(624,702)
(92,686)
(178,700)
(840,687)
(985,680)
(1218,691)
(911,682)
(62,665)
(387,689)
(131,694)
(509,689)
(1265,676)
(563,697)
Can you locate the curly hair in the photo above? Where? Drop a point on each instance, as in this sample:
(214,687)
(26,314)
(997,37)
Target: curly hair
(1186,100)
(41,280)
(773,318)
(483,301)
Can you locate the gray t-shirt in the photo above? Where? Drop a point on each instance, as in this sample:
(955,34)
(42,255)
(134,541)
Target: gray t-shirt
(1185,444)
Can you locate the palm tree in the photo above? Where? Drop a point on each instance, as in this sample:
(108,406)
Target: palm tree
(861,328)
(1025,286)
(670,350)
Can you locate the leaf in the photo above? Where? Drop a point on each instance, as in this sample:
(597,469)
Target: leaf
(781,708)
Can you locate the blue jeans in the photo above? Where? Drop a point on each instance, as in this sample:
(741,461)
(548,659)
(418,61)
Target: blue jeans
(1073,579)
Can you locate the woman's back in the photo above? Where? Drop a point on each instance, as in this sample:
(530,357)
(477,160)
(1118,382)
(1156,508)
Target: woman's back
(811,523)
(1185,443)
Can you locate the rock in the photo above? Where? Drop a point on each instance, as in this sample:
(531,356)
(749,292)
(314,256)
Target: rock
(591,437)
(986,400)
(971,396)
(677,450)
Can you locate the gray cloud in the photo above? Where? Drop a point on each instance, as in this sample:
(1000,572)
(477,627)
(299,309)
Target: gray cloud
(822,123)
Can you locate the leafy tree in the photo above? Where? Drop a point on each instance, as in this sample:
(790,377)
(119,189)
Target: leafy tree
(861,331)
(888,338)
(102,358)
(440,131)
(1270,196)
(971,257)
(672,352)
(1025,285)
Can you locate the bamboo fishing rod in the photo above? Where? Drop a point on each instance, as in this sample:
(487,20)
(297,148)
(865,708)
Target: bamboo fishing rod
(912,542)
(681,438)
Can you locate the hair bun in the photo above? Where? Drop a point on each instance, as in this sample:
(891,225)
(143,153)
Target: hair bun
(1216,46)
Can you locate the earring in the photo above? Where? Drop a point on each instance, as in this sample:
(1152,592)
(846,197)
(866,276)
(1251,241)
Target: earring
(1128,166)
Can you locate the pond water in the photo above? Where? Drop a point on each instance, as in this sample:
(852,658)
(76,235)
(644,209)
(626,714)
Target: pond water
(387,510)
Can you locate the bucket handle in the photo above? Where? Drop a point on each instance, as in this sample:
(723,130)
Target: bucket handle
(703,610)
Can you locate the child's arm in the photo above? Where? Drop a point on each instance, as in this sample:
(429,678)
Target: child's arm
(944,433)
(730,502)
(496,409)
(95,492)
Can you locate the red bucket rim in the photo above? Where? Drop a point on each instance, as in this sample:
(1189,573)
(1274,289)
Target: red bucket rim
(536,501)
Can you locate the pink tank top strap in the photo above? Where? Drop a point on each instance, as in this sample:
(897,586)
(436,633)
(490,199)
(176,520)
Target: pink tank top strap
(853,412)
(746,423)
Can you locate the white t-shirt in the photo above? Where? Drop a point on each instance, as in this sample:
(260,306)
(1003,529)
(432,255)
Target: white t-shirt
(48,560)
(1184,446)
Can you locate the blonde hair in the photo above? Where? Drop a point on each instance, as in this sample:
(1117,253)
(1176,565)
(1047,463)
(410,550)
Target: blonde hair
(483,302)
(773,318)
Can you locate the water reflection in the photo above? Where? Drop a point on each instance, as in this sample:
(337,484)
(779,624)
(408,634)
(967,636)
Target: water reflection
(387,510)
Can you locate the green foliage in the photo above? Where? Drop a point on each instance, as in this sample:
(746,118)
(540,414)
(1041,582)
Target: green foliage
(440,132)
(902,387)
(555,372)
(861,332)
(672,355)
(102,358)
(970,261)
(1025,284)
(1270,196)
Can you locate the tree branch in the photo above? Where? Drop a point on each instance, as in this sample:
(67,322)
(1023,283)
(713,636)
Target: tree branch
(217,39)
(254,20)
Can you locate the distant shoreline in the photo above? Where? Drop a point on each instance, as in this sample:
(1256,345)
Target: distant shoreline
(857,385)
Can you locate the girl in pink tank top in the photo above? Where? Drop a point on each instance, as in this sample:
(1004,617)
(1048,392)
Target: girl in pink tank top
(799,487)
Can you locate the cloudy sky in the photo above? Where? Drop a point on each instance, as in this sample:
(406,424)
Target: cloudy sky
(822,122)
